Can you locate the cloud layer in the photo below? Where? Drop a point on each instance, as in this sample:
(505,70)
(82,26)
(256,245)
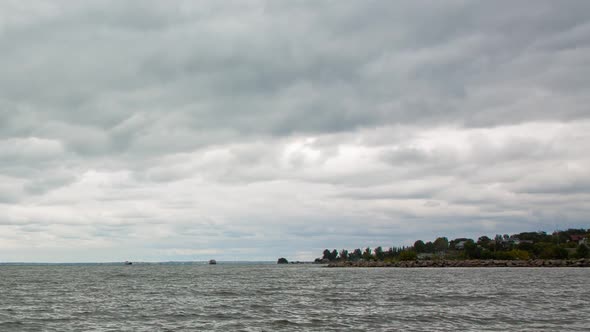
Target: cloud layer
(253,130)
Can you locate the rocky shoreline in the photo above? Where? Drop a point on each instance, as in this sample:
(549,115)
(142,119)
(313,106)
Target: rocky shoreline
(585,262)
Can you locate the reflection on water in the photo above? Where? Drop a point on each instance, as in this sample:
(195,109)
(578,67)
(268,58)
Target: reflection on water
(291,298)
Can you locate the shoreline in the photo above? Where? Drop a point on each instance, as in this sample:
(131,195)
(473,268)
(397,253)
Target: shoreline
(584,262)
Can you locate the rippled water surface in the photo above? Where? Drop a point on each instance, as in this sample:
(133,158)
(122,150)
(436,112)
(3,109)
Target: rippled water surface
(291,298)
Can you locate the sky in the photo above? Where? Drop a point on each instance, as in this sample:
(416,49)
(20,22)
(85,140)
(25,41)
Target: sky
(252,130)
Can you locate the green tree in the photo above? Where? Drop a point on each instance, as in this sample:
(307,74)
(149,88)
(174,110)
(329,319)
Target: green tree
(441,244)
(379,254)
(561,253)
(282,260)
(484,241)
(472,250)
(430,247)
(327,254)
(356,255)
(535,237)
(408,255)
(343,254)
(390,253)
(334,255)
(526,246)
(419,246)
(548,250)
(454,242)
(519,254)
(512,255)
(582,251)
(498,242)
(368,254)
(486,254)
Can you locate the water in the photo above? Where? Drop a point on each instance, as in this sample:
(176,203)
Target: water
(291,298)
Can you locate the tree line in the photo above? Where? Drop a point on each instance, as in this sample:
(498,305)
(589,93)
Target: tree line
(571,243)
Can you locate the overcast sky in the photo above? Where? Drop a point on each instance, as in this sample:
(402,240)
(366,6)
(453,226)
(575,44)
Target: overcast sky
(251,130)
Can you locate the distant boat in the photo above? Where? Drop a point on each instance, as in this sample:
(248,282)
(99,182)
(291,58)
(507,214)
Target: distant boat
(128,263)
(212,262)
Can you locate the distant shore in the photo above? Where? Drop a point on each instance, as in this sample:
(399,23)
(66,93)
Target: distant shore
(584,262)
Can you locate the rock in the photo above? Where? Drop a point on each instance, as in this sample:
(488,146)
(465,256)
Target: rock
(466,263)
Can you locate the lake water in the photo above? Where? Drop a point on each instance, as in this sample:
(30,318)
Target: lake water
(291,298)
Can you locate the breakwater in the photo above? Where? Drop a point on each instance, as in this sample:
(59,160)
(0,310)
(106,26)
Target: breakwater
(469,263)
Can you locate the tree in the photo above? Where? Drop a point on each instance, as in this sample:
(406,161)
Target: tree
(561,253)
(379,254)
(519,254)
(327,254)
(334,255)
(526,246)
(454,242)
(343,254)
(471,249)
(430,247)
(512,254)
(582,251)
(484,241)
(282,260)
(408,255)
(368,255)
(441,244)
(534,237)
(419,246)
(498,242)
(551,251)
(356,254)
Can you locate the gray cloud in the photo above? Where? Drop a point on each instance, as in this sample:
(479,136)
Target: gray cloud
(231,129)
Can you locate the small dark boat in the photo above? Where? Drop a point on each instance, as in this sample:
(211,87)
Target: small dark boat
(212,262)
(128,263)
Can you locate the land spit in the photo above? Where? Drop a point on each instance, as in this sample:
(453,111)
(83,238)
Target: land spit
(584,262)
